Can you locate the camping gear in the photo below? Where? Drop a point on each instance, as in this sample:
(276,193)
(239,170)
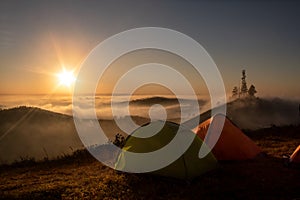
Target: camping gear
(232,144)
(187,166)
(295,157)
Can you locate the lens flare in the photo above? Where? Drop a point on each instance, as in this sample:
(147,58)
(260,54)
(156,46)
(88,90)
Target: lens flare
(66,78)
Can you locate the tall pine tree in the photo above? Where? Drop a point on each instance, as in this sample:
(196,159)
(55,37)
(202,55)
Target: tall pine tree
(244,88)
(252,91)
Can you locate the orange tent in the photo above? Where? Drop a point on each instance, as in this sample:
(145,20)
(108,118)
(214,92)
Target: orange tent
(295,157)
(232,144)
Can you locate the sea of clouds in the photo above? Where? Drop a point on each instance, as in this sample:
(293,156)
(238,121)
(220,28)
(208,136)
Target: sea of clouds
(138,105)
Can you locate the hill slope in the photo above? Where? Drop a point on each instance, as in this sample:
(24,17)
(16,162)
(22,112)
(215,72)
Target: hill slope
(258,113)
(82,177)
(28,132)
(33,132)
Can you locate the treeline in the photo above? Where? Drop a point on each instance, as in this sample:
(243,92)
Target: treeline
(242,90)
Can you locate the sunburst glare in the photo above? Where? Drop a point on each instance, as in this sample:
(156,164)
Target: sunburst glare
(66,78)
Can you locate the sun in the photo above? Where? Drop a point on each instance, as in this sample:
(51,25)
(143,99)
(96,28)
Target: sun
(66,78)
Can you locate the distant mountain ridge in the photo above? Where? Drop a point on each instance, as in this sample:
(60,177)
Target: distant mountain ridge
(163,101)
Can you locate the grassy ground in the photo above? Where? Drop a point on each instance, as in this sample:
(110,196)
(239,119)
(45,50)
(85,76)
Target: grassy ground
(277,141)
(82,177)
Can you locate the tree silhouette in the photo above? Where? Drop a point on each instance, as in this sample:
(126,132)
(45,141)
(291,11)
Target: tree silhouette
(252,91)
(244,89)
(235,92)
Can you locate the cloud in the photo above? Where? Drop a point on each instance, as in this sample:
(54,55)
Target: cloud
(261,113)
(138,107)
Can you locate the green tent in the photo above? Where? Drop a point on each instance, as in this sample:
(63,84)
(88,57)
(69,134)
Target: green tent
(187,166)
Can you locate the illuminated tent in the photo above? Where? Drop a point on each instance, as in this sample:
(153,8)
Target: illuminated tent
(187,166)
(232,144)
(295,157)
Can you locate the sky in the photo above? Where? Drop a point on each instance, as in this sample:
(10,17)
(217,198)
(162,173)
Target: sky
(38,38)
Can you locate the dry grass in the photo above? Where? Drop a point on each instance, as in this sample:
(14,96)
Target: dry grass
(82,177)
(277,141)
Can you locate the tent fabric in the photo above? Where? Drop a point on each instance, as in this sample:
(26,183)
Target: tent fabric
(295,157)
(187,166)
(232,144)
